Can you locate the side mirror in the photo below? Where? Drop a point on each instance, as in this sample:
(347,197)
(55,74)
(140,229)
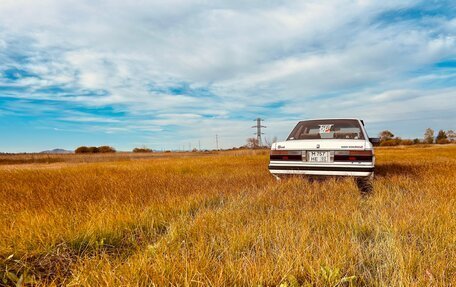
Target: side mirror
(375,141)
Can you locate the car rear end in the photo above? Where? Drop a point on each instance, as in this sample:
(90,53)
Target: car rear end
(324,148)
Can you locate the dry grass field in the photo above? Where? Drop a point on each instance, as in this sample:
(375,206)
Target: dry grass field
(221,219)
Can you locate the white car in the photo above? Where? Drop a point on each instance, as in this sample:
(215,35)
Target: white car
(326,147)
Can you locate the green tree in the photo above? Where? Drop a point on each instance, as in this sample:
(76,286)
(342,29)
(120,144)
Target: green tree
(442,138)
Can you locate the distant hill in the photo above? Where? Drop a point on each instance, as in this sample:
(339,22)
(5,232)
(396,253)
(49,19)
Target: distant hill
(57,150)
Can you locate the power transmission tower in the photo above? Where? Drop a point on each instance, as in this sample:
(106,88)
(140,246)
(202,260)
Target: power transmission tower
(258,133)
(216,141)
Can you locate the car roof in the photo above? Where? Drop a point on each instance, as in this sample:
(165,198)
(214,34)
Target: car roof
(320,119)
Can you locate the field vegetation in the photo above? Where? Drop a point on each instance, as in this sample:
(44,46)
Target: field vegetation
(94,149)
(17,160)
(220,219)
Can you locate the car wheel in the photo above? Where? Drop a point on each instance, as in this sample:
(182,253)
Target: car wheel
(365,184)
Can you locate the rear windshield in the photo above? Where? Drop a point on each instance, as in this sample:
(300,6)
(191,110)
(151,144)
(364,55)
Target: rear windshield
(327,129)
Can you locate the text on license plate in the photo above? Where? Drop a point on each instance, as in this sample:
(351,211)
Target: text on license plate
(318,156)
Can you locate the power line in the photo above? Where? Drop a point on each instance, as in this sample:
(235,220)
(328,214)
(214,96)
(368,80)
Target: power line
(258,133)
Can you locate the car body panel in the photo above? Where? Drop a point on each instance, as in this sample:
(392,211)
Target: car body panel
(323,145)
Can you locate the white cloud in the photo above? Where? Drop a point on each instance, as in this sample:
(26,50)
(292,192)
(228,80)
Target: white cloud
(90,119)
(310,55)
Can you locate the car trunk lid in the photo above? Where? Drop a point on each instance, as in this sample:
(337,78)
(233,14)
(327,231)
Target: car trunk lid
(321,145)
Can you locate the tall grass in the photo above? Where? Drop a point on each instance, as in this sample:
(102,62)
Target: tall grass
(223,220)
(39,158)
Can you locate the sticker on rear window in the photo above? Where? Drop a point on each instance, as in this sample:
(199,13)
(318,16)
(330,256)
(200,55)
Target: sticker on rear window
(325,129)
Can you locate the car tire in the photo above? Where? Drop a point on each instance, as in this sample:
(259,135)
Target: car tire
(365,184)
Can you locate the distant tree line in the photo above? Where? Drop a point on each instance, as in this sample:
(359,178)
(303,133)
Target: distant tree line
(108,149)
(387,138)
(94,149)
(252,143)
(142,149)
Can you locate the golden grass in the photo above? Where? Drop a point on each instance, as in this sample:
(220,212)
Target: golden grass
(39,158)
(223,220)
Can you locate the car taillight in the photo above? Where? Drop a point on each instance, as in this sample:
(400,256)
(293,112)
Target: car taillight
(286,152)
(353,155)
(286,155)
(353,152)
(279,152)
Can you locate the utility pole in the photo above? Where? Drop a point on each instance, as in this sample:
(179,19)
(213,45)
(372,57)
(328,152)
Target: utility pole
(258,133)
(216,141)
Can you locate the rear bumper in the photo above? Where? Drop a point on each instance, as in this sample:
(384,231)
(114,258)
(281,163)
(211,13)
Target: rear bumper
(321,170)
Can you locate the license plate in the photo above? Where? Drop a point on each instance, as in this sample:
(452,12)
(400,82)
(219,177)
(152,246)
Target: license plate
(318,156)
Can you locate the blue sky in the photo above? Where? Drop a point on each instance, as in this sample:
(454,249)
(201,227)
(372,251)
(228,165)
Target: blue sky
(170,74)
